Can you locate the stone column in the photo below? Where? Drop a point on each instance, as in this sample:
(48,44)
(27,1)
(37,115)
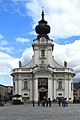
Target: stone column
(19,87)
(31,90)
(54,88)
(16,87)
(36,89)
(32,87)
(50,88)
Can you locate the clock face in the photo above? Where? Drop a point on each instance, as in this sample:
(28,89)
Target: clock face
(42,39)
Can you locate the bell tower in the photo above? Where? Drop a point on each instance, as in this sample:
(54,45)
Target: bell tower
(42,28)
(42,46)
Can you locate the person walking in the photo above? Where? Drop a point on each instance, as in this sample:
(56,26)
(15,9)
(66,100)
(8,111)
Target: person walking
(38,103)
(43,103)
(49,102)
(33,102)
(63,102)
(59,101)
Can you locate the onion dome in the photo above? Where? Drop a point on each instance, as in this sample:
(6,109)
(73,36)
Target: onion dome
(42,28)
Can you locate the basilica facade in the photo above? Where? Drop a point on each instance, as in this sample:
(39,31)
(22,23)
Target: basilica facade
(43,77)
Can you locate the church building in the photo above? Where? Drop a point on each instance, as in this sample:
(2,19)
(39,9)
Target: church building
(43,77)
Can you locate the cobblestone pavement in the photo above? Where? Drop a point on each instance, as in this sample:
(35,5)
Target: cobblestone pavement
(27,112)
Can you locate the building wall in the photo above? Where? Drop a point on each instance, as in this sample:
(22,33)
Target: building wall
(53,91)
(76,91)
(31,90)
(36,89)
(5,92)
(49,56)
(50,88)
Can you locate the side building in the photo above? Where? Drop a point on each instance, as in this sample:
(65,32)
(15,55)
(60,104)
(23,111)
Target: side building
(76,92)
(5,92)
(43,77)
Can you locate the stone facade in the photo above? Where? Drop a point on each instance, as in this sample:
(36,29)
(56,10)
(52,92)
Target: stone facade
(76,92)
(43,77)
(5,92)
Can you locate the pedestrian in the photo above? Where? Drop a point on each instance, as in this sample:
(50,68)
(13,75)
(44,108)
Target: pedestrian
(66,102)
(63,102)
(38,103)
(59,101)
(33,103)
(49,102)
(43,103)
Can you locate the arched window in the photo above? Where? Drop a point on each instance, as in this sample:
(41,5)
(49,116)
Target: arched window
(42,53)
(25,84)
(60,85)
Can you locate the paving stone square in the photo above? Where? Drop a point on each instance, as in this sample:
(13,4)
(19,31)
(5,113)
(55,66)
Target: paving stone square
(28,112)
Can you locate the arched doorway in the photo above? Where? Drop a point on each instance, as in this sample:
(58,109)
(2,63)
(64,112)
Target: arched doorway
(42,88)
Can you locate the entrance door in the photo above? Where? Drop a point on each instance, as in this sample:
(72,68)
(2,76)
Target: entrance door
(42,95)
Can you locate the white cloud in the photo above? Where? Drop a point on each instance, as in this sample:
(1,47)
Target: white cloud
(69,53)
(32,33)
(27,55)
(7,49)
(7,63)
(63,16)
(2,40)
(4,45)
(22,40)
(1,37)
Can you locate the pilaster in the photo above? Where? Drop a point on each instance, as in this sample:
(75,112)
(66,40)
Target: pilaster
(50,88)
(36,89)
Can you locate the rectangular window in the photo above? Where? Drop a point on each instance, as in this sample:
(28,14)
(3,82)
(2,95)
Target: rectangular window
(25,93)
(42,53)
(25,84)
(14,86)
(60,85)
(60,94)
(43,82)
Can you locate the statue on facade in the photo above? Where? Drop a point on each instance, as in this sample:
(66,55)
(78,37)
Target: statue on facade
(65,64)
(20,64)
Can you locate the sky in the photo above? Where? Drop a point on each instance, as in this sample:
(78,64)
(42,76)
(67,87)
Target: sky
(18,19)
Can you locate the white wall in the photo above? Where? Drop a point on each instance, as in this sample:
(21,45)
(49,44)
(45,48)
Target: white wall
(36,57)
(36,89)
(50,88)
(16,87)
(54,89)
(31,92)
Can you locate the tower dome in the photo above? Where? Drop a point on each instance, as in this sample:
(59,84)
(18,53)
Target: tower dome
(42,27)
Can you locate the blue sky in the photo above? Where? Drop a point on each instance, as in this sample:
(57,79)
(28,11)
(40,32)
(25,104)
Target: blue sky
(18,19)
